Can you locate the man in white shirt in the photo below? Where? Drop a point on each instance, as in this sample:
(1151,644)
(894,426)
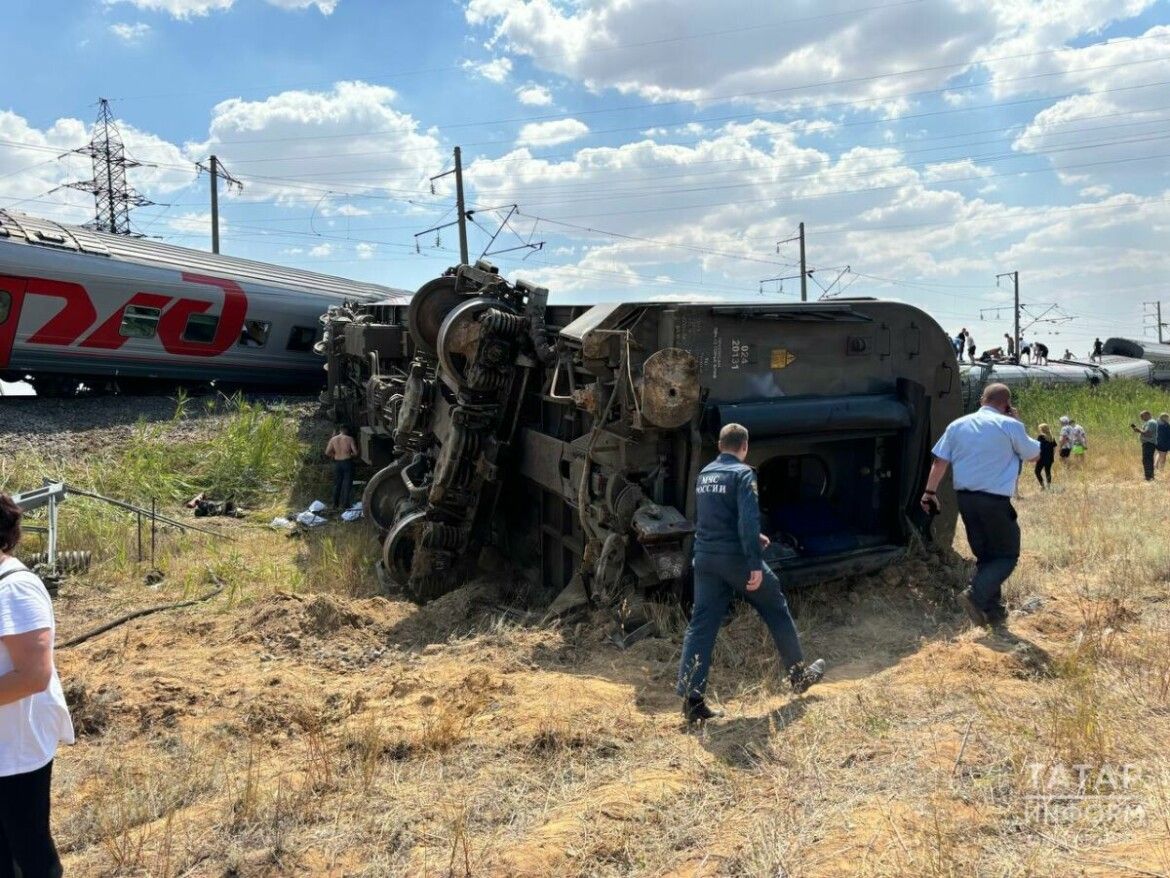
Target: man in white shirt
(985,449)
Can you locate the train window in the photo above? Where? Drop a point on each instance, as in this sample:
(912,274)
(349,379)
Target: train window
(301,338)
(255,333)
(5,304)
(201,328)
(139,322)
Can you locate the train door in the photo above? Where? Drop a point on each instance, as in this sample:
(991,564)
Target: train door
(11,300)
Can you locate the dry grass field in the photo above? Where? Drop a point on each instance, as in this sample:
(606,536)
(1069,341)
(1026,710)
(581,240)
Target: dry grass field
(298,724)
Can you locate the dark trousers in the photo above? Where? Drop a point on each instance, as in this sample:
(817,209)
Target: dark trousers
(342,483)
(1044,470)
(994,536)
(1148,449)
(718,579)
(26,844)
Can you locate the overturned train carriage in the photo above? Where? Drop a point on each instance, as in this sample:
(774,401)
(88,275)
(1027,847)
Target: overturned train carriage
(569,438)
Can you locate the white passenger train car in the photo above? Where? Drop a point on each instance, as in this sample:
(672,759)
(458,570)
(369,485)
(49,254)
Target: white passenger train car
(129,314)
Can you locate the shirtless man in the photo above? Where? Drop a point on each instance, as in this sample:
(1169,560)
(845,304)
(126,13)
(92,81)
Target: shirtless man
(342,450)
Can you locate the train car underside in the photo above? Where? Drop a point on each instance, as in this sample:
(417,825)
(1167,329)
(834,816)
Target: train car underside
(569,439)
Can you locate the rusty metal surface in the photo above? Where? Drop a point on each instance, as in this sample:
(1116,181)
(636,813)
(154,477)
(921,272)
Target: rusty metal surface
(670,388)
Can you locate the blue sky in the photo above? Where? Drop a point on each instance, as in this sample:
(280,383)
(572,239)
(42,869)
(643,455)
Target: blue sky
(658,148)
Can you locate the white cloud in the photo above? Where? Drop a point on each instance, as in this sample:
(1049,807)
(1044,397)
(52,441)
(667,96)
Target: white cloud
(534,95)
(365,250)
(325,7)
(186,9)
(321,251)
(551,133)
(619,45)
(348,210)
(197,224)
(962,170)
(331,140)
(130,33)
(495,70)
(1104,132)
(182,9)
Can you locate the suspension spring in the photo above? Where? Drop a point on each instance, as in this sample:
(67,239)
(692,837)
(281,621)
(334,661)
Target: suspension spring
(502,323)
(439,535)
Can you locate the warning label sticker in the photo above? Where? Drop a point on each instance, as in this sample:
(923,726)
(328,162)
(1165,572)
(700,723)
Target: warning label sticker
(782,357)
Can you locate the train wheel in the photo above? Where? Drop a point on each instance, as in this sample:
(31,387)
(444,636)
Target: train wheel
(383,494)
(428,308)
(53,386)
(398,550)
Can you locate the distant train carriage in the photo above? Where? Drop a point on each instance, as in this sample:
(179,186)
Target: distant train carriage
(976,376)
(119,313)
(1156,353)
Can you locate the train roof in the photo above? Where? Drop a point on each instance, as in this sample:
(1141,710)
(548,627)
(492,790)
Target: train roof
(18,227)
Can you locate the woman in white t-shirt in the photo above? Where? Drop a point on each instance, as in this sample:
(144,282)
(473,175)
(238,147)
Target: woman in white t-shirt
(33,715)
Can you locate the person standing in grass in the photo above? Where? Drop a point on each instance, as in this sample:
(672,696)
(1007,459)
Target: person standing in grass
(1149,438)
(986,449)
(1162,445)
(1064,439)
(1047,457)
(33,716)
(342,450)
(1079,440)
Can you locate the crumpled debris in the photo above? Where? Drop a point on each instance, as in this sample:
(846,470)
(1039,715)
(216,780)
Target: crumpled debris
(205,508)
(281,522)
(353,513)
(316,506)
(308,519)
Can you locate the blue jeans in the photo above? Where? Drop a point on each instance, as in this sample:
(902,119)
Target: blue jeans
(342,483)
(719,578)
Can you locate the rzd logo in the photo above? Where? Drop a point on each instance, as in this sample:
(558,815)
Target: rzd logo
(77,314)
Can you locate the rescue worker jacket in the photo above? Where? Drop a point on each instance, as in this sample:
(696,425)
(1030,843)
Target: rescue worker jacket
(727,511)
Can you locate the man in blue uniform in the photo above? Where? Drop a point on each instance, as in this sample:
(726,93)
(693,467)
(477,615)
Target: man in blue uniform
(986,449)
(729,562)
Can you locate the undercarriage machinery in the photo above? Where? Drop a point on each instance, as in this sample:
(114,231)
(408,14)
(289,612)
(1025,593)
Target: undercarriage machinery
(568,438)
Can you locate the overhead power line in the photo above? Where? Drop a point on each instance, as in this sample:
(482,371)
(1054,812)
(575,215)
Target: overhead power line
(303,183)
(792,199)
(643,106)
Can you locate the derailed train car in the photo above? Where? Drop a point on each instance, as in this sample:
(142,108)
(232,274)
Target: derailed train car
(1157,354)
(569,438)
(1111,367)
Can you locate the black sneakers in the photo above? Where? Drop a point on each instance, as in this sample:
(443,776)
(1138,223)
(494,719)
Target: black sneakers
(801,677)
(695,710)
(976,615)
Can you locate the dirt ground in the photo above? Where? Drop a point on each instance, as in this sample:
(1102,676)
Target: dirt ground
(296,724)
